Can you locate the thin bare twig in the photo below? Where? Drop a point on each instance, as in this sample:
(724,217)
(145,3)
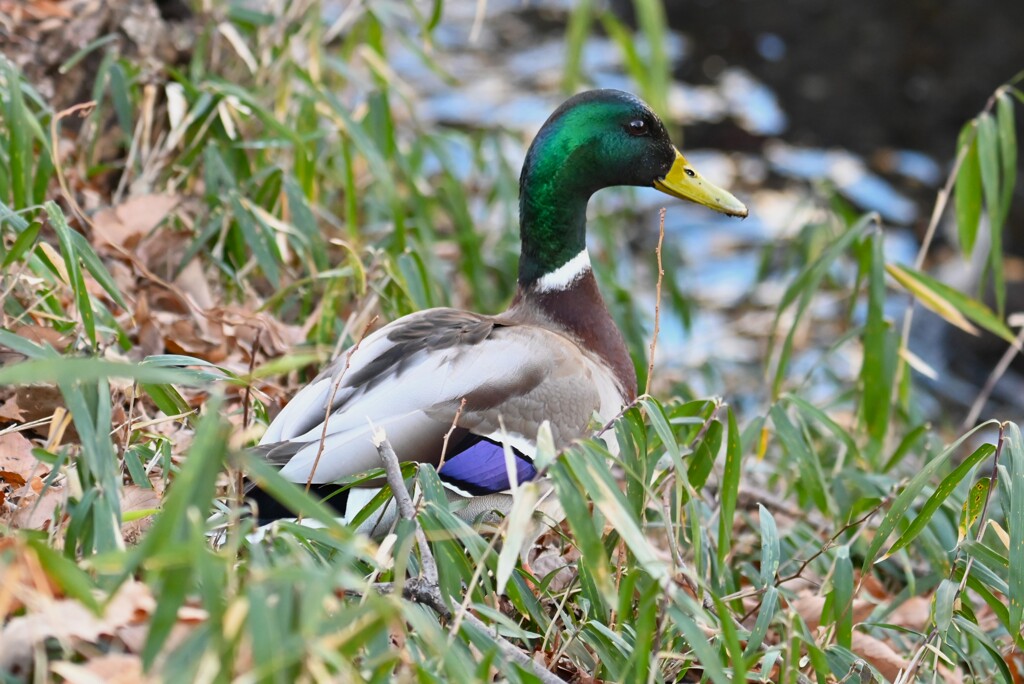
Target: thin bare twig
(933,224)
(451,429)
(990,383)
(657,301)
(83,110)
(329,409)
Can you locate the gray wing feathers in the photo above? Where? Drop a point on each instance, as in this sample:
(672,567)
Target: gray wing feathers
(410,378)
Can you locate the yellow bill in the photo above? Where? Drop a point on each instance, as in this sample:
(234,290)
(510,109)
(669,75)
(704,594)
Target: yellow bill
(684,182)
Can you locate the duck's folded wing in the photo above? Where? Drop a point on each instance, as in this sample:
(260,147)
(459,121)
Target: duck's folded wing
(410,379)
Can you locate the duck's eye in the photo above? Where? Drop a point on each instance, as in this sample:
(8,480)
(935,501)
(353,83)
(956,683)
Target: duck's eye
(638,127)
(690,172)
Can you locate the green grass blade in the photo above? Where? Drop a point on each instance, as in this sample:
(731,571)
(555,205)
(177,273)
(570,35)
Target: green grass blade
(770,552)
(903,502)
(939,497)
(1015,453)
(967,192)
(730,487)
(991,184)
(70,254)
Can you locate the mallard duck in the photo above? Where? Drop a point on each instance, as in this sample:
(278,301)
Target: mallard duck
(555,354)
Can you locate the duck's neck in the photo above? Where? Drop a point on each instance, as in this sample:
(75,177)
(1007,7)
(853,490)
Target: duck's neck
(580,311)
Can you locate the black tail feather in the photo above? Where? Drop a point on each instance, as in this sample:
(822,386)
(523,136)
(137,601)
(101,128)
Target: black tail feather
(268,509)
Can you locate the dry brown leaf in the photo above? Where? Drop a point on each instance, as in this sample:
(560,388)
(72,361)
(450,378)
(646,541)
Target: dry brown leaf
(69,621)
(38,401)
(11,411)
(21,576)
(132,604)
(914,613)
(194,283)
(43,9)
(111,668)
(127,223)
(879,654)
(136,498)
(44,335)
(16,457)
(1015,661)
(35,511)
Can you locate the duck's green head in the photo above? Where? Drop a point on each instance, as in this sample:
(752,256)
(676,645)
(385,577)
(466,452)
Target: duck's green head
(596,140)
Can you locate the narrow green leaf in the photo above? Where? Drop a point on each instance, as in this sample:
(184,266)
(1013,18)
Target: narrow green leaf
(96,268)
(997,604)
(804,286)
(765,614)
(971,509)
(656,414)
(906,444)
(82,300)
(945,597)
(991,184)
(520,522)
(903,502)
(729,489)
(842,599)
(939,496)
(709,659)
(20,143)
(581,522)
(576,33)
(986,642)
(770,554)
(811,475)
(1015,522)
(815,413)
(25,241)
(967,191)
(89,370)
(878,370)
(602,489)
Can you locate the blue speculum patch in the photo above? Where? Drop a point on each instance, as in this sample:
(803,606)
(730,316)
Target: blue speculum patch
(480,468)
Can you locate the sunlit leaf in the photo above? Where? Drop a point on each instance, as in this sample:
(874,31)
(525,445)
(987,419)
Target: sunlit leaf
(950,303)
(971,509)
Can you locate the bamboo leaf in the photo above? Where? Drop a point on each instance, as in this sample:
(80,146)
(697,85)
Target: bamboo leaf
(939,496)
(971,509)
(730,487)
(842,597)
(764,619)
(903,502)
(770,554)
(967,191)
(945,597)
(930,298)
(70,254)
(520,522)
(991,184)
(944,298)
(1015,521)
(878,370)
